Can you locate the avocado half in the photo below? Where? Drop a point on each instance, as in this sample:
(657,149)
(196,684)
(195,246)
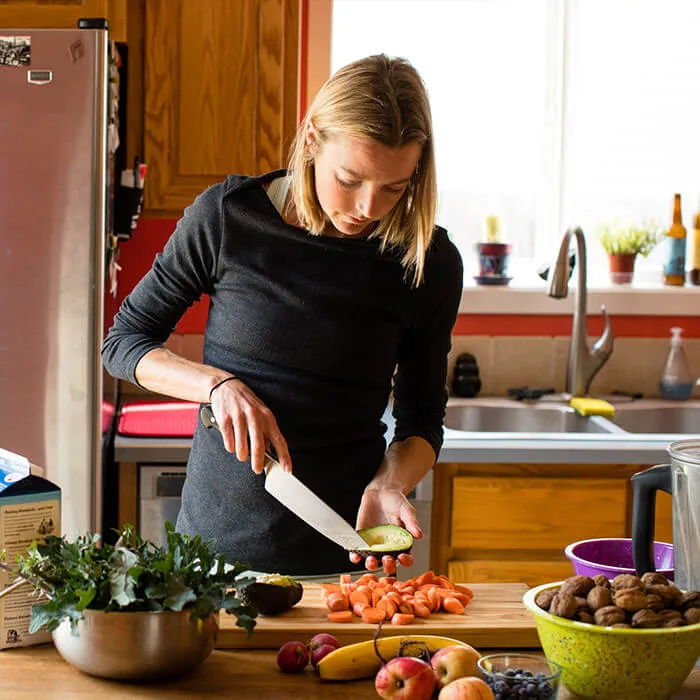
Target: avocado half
(271,594)
(385,540)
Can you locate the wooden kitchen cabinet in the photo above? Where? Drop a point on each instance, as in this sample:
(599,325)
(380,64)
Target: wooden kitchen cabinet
(64,14)
(511,522)
(219,92)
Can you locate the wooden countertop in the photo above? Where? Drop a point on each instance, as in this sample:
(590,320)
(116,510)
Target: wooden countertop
(39,673)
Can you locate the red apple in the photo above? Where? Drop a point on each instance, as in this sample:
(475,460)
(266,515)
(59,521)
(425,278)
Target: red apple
(293,657)
(468,688)
(453,662)
(405,678)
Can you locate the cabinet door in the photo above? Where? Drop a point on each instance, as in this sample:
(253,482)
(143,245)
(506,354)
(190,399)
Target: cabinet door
(62,14)
(532,572)
(535,513)
(220,93)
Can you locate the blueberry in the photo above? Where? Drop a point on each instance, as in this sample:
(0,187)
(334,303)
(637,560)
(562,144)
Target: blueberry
(500,686)
(510,672)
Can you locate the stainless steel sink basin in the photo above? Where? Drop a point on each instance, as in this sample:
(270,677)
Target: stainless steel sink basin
(680,420)
(522,418)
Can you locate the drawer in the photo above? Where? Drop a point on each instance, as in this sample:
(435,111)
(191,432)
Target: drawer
(506,513)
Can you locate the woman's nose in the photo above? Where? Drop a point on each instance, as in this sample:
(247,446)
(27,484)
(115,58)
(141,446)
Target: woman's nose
(367,203)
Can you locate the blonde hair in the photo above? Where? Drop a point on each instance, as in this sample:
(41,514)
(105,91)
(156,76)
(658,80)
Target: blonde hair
(385,99)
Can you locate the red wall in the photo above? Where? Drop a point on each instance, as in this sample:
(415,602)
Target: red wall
(136,257)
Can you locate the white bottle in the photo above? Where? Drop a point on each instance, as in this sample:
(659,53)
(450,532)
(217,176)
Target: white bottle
(677,379)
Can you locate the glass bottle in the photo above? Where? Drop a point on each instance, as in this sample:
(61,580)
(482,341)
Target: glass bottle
(674,253)
(677,379)
(695,252)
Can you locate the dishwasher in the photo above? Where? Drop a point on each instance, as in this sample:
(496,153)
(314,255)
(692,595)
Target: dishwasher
(160,491)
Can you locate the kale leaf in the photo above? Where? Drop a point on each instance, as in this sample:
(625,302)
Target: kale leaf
(131,575)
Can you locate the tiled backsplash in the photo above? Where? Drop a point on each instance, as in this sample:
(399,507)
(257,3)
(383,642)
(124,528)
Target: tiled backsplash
(506,362)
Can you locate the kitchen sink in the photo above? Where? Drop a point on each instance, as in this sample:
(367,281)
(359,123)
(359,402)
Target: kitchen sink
(523,418)
(677,420)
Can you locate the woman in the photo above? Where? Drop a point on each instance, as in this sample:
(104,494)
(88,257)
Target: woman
(329,287)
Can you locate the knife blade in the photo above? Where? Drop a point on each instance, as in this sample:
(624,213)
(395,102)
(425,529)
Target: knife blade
(299,498)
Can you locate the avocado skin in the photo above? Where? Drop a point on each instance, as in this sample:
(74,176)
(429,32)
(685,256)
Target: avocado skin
(271,598)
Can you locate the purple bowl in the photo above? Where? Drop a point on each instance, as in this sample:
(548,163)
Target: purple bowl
(613,556)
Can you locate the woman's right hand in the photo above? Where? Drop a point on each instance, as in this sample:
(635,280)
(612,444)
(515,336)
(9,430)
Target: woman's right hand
(247,425)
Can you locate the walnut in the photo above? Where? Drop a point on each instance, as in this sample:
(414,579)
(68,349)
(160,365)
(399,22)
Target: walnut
(584,616)
(609,615)
(598,597)
(621,626)
(691,599)
(563,605)
(655,603)
(651,578)
(631,599)
(670,615)
(577,585)
(669,593)
(622,581)
(646,618)
(601,580)
(581,602)
(673,622)
(544,598)
(692,616)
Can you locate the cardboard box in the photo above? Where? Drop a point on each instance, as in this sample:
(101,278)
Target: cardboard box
(30,509)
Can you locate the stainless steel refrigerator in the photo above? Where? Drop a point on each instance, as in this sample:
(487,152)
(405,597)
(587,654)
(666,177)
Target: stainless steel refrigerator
(53,228)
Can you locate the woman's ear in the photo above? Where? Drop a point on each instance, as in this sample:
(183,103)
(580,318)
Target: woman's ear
(311,136)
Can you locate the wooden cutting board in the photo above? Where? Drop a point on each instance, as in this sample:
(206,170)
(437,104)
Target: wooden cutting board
(496,618)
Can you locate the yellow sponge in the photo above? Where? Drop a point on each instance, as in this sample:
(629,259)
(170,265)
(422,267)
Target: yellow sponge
(592,407)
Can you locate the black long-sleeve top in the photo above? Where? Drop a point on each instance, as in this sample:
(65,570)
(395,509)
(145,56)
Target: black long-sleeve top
(316,326)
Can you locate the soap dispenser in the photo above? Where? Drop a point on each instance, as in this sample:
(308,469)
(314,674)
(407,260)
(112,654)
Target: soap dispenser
(677,379)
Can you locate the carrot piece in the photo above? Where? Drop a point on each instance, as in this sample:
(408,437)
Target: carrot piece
(402,619)
(464,589)
(366,578)
(336,602)
(393,596)
(407,589)
(463,599)
(340,616)
(452,605)
(357,608)
(328,588)
(372,615)
(346,585)
(377,595)
(445,582)
(427,577)
(406,608)
(420,610)
(387,580)
(360,597)
(388,607)
(434,599)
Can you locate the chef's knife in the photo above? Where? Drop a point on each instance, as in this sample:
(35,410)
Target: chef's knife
(300,499)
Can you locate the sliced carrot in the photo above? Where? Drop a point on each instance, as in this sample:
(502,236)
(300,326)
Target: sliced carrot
(406,608)
(357,608)
(420,610)
(328,588)
(427,577)
(402,619)
(377,595)
(360,597)
(388,606)
(393,596)
(336,602)
(452,605)
(463,599)
(340,616)
(372,615)
(387,580)
(464,589)
(407,590)
(346,585)
(445,582)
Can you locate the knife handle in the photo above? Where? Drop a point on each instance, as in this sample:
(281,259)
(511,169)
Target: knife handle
(206,415)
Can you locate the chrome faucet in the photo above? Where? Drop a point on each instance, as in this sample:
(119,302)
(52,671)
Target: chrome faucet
(584,363)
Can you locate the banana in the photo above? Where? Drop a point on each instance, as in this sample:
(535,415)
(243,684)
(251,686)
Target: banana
(355,661)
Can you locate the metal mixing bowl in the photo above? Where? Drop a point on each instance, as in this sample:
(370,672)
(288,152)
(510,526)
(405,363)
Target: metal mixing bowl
(137,645)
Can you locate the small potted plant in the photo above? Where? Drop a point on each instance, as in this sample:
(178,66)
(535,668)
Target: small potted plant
(623,242)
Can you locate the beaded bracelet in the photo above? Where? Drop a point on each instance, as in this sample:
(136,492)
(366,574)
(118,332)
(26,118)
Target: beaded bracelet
(218,384)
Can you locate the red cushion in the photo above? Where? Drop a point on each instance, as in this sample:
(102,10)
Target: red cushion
(152,419)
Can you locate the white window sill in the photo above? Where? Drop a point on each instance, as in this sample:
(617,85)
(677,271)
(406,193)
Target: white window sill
(637,299)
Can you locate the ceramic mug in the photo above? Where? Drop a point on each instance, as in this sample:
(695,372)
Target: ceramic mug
(493,259)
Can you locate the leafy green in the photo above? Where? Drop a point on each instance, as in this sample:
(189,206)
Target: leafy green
(619,238)
(132,575)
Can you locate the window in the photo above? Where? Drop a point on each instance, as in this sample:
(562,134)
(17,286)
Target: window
(548,113)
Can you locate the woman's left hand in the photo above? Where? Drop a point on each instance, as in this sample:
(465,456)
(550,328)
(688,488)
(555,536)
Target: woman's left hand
(381,506)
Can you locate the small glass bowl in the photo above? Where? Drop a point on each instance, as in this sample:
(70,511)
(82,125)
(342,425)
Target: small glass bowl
(508,674)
